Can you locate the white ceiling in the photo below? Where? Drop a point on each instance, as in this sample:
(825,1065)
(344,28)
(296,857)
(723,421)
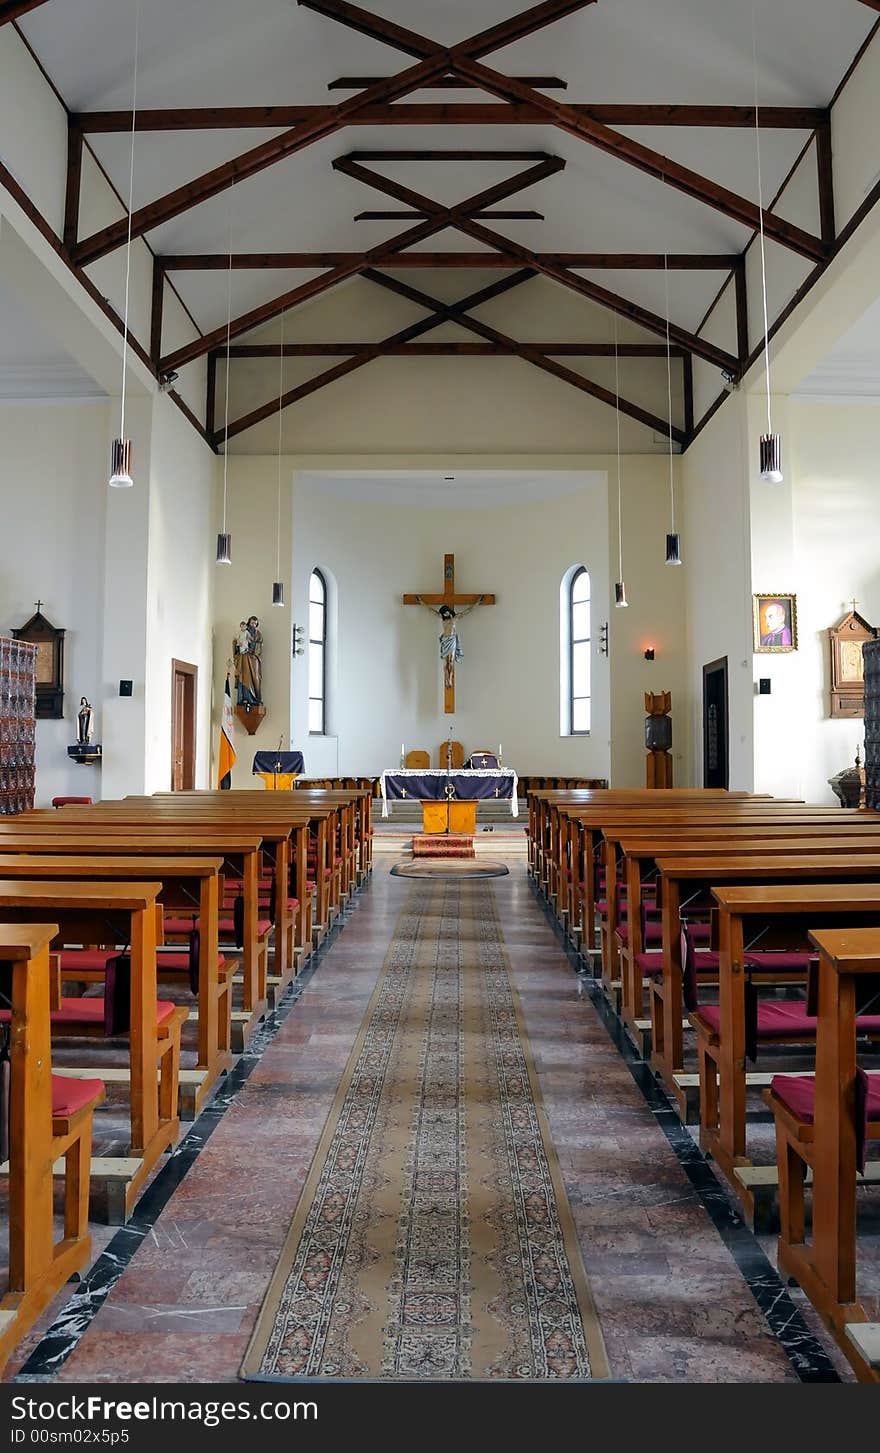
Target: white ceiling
(220,52)
(461,489)
(32,365)
(852,369)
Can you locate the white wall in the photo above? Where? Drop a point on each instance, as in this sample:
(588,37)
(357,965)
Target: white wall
(388,682)
(834,464)
(180,586)
(52,482)
(384,674)
(243,589)
(716,539)
(654,617)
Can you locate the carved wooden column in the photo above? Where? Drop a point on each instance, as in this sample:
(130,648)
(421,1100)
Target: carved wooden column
(658,738)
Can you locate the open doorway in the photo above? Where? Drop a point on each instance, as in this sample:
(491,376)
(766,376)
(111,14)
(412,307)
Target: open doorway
(716,762)
(184,686)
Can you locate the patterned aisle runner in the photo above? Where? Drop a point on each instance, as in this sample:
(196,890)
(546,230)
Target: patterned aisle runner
(433,1238)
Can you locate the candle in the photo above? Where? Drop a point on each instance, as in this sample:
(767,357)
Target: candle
(499,751)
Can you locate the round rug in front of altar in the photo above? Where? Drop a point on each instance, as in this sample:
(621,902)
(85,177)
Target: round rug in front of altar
(450,868)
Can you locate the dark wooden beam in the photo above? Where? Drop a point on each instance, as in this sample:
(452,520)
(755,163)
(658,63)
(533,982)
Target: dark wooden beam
(74,184)
(460,219)
(384,252)
(687,366)
(645,159)
(443,83)
(825,180)
(444,350)
(294,297)
(14,9)
(500,216)
(493,113)
(530,354)
(211,396)
(432,60)
(240,168)
(623,261)
(330,375)
(464,61)
(742,308)
(156,311)
(455,154)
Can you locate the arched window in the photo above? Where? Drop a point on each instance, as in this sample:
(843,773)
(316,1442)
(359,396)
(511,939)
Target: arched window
(576,670)
(317,654)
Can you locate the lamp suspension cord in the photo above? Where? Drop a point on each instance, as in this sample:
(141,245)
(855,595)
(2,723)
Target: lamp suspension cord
(669,395)
(228,339)
(619,497)
(134,92)
(761,224)
(280,396)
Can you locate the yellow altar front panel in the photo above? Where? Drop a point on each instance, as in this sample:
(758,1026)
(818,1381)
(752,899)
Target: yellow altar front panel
(458,816)
(279,781)
(463,817)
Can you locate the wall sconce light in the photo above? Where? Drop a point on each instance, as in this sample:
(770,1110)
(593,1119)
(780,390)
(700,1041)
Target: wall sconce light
(603,640)
(298,638)
(649,653)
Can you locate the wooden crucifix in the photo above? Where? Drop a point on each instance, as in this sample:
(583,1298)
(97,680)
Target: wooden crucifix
(445,607)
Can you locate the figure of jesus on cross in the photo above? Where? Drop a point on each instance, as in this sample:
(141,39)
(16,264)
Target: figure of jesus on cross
(444,606)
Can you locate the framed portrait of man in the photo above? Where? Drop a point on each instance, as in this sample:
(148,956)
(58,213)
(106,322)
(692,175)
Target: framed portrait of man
(775,622)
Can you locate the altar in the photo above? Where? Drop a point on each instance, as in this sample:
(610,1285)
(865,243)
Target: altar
(449,798)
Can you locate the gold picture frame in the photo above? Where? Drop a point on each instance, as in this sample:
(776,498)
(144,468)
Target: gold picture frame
(774,622)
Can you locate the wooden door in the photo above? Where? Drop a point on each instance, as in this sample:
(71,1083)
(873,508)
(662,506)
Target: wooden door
(716,769)
(184,682)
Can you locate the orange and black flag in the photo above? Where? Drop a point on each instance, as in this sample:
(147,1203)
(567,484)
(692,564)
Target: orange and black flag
(227,744)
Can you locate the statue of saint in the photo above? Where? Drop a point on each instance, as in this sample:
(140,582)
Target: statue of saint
(85,723)
(247,655)
(450,644)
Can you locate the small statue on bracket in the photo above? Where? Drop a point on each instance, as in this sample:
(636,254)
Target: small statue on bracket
(85,723)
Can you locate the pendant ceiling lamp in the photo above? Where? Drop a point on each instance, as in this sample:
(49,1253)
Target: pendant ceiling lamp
(120,449)
(278,583)
(620,599)
(770,450)
(224,539)
(673,541)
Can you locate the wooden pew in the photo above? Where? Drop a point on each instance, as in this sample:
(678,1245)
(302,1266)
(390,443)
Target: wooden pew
(46,1124)
(795,909)
(87,913)
(640,849)
(818,1132)
(272,825)
(184,881)
(753,815)
(239,847)
(682,876)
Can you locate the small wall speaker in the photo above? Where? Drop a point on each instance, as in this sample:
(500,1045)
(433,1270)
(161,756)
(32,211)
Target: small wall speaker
(125,688)
(763,685)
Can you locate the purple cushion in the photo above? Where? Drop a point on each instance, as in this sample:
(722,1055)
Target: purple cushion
(777,1019)
(651,965)
(799,1094)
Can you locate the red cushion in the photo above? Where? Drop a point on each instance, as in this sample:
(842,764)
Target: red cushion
(71,801)
(654,932)
(70,1095)
(94,960)
(777,1019)
(227,926)
(799,1094)
(178,962)
(91,1011)
(650,964)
